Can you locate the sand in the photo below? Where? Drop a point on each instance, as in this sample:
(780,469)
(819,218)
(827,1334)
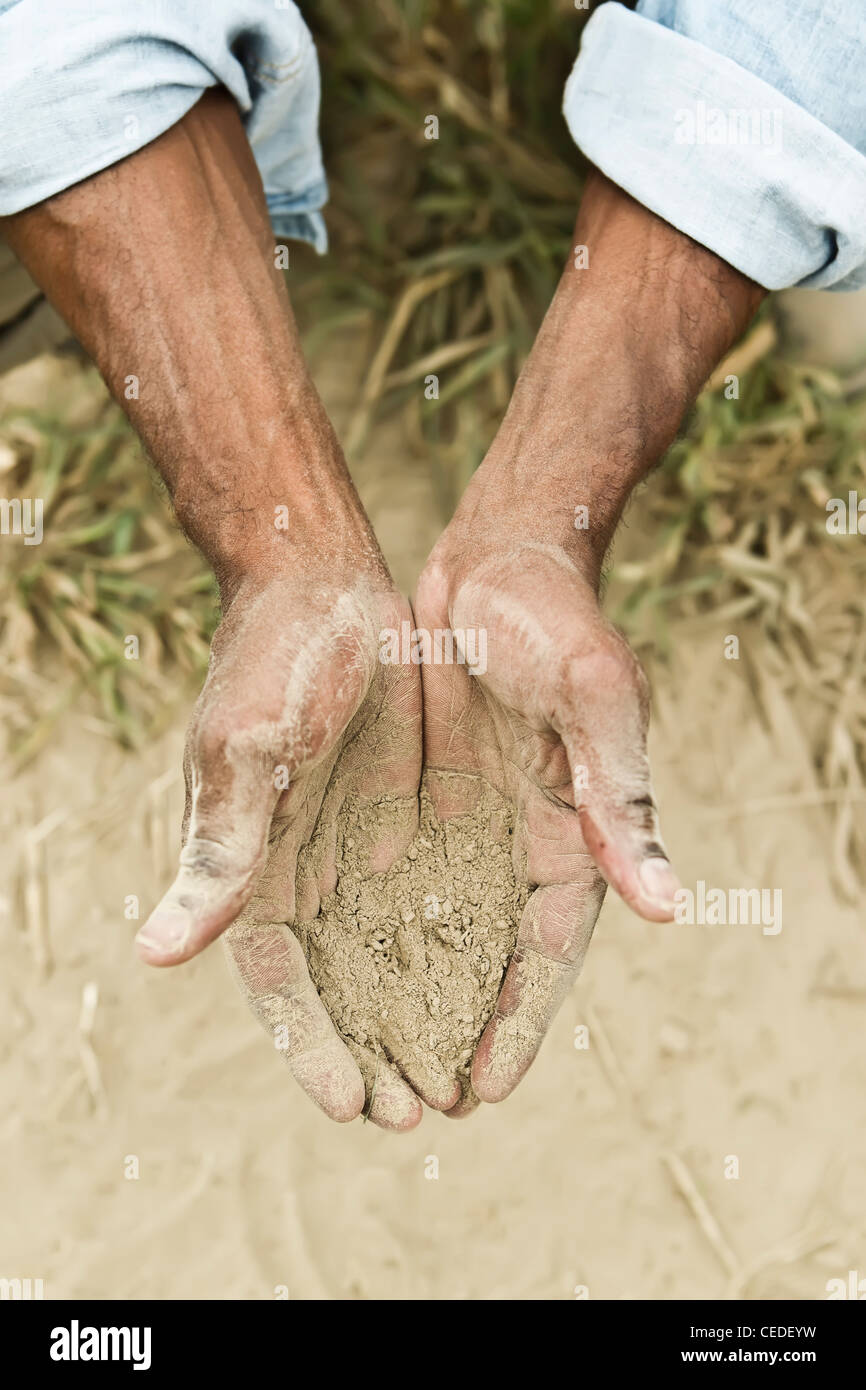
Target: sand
(409,962)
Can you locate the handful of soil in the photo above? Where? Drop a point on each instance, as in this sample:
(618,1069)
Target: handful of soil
(409,963)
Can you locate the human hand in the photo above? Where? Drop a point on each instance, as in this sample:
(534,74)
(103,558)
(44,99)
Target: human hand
(295,702)
(557,724)
(558,720)
(295,698)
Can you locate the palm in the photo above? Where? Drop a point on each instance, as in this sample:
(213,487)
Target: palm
(542,724)
(296,715)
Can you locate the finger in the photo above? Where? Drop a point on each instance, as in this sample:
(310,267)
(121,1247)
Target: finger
(313,873)
(233,798)
(453,708)
(383,831)
(603,727)
(426,1075)
(389,1102)
(271,972)
(453,755)
(466,1105)
(554,935)
(382,766)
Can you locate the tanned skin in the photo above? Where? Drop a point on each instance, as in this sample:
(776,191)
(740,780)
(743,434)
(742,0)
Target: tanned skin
(163,266)
(558,722)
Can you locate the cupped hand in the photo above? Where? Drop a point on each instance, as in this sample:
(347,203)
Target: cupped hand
(555,718)
(296,709)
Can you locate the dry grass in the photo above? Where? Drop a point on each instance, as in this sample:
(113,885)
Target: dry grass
(734,524)
(112,566)
(454,244)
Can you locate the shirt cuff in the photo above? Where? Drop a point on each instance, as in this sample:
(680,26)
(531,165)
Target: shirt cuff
(719,153)
(86,84)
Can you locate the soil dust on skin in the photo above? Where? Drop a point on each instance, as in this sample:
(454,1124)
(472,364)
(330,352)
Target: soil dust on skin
(200,1170)
(410,962)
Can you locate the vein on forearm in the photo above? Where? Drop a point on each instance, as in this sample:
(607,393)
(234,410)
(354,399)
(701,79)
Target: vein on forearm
(163,266)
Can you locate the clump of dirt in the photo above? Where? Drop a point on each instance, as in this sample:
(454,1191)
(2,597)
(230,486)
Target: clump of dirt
(409,962)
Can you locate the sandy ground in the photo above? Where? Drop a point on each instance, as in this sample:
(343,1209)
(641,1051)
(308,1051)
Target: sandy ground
(164,1152)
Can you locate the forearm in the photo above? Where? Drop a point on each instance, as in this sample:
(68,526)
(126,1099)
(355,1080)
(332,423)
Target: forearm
(626,345)
(164,267)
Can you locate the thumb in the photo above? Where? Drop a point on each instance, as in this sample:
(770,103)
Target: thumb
(606,746)
(232,802)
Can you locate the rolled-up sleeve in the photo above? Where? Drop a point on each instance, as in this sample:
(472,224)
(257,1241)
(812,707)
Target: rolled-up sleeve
(82,85)
(741,124)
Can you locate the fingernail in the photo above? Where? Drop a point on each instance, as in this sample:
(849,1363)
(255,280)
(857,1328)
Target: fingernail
(166,932)
(659,882)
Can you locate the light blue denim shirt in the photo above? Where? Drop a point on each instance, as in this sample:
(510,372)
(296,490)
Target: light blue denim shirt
(741,122)
(85,82)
